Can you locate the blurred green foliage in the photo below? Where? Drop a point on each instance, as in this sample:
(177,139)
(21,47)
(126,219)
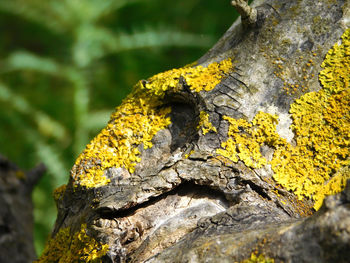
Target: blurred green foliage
(65,64)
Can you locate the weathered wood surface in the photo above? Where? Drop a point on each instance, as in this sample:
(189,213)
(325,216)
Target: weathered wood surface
(185,197)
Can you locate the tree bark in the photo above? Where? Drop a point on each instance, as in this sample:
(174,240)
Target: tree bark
(16,218)
(193,166)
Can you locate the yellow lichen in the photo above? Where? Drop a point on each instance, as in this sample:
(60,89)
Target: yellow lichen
(134,122)
(197,78)
(321,123)
(20,175)
(66,247)
(59,191)
(189,154)
(317,165)
(254,258)
(335,76)
(245,139)
(205,124)
(137,120)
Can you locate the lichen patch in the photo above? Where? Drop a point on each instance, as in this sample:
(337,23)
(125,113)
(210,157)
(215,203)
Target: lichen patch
(205,124)
(317,165)
(246,138)
(140,116)
(198,78)
(134,122)
(66,247)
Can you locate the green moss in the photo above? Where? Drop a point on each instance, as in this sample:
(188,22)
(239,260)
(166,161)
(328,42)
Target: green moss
(67,247)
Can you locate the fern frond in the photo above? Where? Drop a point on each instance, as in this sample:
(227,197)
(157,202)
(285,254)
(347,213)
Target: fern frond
(81,105)
(53,160)
(47,126)
(94,42)
(37,11)
(62,16)
(89,11)
(24,60)
(160,38)
(51,156)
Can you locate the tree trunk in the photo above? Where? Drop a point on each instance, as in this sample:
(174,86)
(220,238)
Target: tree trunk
(227,159)
(16,218)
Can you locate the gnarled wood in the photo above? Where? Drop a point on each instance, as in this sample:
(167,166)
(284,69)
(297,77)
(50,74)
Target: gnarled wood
(190,195)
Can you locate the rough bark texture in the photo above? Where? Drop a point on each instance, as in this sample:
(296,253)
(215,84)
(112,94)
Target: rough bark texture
(16,219)
(219,181)
(232,236)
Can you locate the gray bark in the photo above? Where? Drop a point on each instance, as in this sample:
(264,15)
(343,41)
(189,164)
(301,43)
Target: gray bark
(201,209)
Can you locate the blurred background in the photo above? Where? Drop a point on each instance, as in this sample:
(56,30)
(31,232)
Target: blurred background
(65,65)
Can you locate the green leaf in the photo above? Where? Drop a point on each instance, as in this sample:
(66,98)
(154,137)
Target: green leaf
(62,16)
(52,158)
(23,60)
(37,11)
(88,11)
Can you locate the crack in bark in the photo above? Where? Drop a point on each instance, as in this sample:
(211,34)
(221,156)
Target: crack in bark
(137,229)
(184,188)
